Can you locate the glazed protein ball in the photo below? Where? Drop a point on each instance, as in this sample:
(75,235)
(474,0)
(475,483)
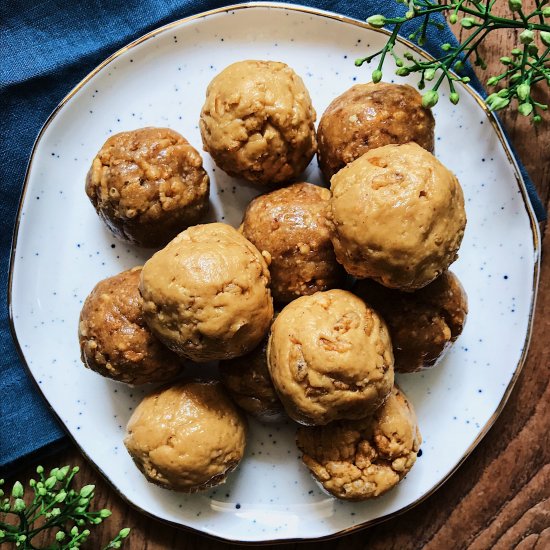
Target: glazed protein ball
(187,437)
(422,324)
(368,116)
(248,382)
(257,122)
(398,216)
(206,294)
(291,224)
(148,185)
(114,339)
(363,459)
(330,358)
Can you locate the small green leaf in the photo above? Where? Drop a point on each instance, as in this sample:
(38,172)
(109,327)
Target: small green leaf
(376,21)
(50,482)
(492,81)
(376,76)
(468,22)
(87,490)
(430,98)
(124,532)
(17,490)
(527,36)
(523,91)
(525,109)
(505,60)
(499,103)
(62,473)
(104,513)
(515,5)
(19,505)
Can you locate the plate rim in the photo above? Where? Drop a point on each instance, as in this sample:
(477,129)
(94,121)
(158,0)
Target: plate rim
(535,233)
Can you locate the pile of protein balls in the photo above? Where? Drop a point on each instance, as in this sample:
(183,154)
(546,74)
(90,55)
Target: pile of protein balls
(309,306)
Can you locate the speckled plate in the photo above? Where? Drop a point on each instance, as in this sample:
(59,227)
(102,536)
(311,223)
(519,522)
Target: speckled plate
(62,250)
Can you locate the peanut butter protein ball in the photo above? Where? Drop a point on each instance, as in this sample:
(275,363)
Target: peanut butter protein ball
(398,216)
(114,339)
(257,122)
(368,116)
(423,324)
(206,294)
(147,185)
(187,437)
(291,224)
(363,459)
(330,358)
(248,382)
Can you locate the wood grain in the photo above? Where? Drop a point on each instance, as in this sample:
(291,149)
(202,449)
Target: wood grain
(499,498)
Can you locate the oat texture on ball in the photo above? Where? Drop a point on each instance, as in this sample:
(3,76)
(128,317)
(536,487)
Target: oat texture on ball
(368,116)
(292,225)
(330,357)
(186,437)
(206,294)
(398,216)
(363,459)
(114,339)
(148,185)
(257,122)
(423,324)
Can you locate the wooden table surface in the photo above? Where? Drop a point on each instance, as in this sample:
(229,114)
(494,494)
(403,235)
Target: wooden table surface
(499,498)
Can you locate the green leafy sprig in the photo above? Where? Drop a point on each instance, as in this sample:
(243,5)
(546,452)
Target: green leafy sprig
(526,65)
(55,507)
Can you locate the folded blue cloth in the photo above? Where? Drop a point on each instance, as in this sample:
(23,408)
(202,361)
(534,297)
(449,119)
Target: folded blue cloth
(47,48)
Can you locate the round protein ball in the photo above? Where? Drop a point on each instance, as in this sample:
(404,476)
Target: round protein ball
(363,459)
(147,185)
(291,224)
(330,358)
(114,339)
(206,294)
(368,116)
(398,216)
(248,382)
(423,324)
(187,437)
(258,122)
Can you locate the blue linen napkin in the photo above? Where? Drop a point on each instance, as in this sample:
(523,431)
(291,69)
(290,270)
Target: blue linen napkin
(47,48)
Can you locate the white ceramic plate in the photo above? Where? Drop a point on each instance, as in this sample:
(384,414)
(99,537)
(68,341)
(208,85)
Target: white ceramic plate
(62,250)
